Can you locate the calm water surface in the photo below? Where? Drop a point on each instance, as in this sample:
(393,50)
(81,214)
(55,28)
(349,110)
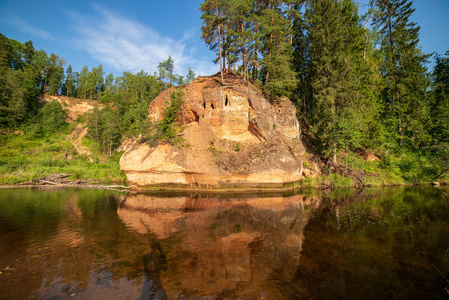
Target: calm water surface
(97,244)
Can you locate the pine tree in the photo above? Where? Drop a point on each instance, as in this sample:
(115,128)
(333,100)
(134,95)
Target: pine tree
(82,83)
(69,84)
(212,28)
(439,106)
(55,74)
(439,113)
(166,71)
(279,76)
(404,72)
(15,97)
(341,103)
(329,68)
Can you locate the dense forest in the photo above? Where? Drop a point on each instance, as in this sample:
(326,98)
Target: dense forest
(360,82)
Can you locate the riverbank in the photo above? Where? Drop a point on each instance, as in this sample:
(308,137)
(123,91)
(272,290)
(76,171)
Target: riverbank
(27,159)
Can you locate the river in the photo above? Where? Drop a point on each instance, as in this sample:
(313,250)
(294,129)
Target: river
(378,243)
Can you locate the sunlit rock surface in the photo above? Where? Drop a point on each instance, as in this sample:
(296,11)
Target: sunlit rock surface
(235,136)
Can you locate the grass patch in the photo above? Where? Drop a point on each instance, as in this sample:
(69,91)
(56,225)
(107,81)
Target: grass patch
(25,157)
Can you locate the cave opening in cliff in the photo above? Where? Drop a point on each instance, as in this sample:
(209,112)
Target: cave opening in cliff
(212,105)
(226,101)
(204,104)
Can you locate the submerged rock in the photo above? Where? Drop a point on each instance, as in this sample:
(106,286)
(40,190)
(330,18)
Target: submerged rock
(234,137)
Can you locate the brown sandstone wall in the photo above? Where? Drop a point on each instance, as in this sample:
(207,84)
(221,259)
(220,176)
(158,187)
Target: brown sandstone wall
(235,137)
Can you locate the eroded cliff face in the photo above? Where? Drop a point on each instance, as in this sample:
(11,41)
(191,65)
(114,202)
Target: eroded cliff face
(235,138)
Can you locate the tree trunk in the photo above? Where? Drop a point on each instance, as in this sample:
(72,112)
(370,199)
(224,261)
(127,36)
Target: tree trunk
(219,47)
(224,50)
(334,155)
(245,76)
(291,24)
(366,36)
(347,158)
(271,47)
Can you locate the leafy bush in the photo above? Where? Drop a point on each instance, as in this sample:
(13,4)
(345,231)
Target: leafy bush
(52,117)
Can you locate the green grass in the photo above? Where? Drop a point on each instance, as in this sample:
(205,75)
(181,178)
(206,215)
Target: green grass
(393,169)
(24,158)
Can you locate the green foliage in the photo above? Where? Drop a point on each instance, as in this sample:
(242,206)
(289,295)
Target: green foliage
(343,101)
(25,157)
(54,75)
(403,67)
(104,129)
(439,113)
(238,147)
(166,71)
(212,147)
(24,74)
(277,73)
(306,164)
(52,117)
(245,30)
(168,130)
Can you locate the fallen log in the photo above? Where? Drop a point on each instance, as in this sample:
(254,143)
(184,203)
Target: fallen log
(51,182)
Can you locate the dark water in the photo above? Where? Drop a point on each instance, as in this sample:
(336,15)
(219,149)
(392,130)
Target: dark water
(97,244)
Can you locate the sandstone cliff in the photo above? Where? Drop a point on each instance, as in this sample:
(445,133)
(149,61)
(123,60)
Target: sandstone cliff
(235,136)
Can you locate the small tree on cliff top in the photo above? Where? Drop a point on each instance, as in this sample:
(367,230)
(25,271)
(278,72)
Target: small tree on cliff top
(167,129)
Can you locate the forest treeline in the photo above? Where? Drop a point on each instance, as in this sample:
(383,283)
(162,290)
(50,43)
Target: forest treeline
(27,73)
(360,81)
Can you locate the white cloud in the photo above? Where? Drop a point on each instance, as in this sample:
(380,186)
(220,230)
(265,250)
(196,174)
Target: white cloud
(126,44)
(23,26)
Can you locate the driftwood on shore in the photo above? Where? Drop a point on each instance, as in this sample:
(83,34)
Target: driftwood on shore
(62,180)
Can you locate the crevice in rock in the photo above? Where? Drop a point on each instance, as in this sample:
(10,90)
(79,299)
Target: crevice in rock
(256,131)
(250,103)
(197,117)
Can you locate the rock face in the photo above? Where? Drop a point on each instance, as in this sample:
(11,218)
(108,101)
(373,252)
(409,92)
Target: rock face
(234,137)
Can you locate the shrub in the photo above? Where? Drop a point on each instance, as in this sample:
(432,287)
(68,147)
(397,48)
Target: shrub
(167,129)
(238,147)
(53,117)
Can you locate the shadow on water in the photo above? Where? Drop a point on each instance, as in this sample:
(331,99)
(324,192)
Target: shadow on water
(153,264)
(339,244)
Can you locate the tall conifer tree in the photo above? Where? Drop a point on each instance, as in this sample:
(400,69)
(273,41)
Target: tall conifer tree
(212,29)
(404,72)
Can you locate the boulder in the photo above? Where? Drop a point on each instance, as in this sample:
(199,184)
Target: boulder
(233,137)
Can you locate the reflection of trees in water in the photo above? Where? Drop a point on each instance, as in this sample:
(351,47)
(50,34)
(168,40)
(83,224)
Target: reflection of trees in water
(380,242)
(154,263)
(382,246)
(64,241)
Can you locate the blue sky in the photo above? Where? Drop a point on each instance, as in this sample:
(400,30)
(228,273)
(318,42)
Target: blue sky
(135,35)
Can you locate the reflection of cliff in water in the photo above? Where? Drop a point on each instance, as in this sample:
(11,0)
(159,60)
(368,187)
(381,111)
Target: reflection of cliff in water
(341,244)
(221,247)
